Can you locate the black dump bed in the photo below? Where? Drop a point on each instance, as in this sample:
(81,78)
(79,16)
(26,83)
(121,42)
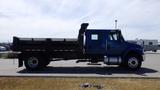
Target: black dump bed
(51,44)
(45,44)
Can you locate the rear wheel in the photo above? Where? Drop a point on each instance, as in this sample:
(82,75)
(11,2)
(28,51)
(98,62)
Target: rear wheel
(133,62)
(33,63)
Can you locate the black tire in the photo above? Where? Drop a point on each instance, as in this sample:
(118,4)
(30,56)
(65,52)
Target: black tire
(33,63)
(133,62)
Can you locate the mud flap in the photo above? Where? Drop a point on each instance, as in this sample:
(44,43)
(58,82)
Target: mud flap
(20,63)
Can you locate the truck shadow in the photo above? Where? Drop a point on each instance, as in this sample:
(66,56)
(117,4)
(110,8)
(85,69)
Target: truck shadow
(89,70)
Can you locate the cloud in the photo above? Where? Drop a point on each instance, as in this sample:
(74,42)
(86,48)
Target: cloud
(62,18)
(39,27)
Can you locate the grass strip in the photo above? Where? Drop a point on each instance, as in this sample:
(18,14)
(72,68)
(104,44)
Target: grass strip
(33,83)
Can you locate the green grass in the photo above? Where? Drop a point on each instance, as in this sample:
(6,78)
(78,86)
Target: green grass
(33,83)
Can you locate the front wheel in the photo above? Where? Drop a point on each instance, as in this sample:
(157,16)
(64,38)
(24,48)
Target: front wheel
(133,62)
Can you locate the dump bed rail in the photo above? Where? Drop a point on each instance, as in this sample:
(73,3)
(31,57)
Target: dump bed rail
(44,44)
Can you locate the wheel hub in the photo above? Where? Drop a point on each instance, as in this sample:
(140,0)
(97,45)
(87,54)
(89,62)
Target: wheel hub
(133,62)
(33,62)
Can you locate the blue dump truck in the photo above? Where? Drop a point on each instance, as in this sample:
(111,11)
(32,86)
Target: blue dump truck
(93,45)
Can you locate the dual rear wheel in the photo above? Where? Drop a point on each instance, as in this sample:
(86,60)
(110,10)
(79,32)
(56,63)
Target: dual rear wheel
(33,63)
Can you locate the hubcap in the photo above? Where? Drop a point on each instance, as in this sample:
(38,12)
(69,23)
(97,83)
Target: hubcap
(33,62)
(133,62)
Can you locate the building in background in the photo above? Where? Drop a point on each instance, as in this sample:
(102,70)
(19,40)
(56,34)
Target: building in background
(2,48)
(147,44)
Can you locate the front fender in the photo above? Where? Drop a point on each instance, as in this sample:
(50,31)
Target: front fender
(133,50)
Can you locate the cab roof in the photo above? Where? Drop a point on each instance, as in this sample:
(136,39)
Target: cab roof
(103,30)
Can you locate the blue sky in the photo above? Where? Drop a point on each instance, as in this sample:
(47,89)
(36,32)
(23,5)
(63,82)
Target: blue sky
(62,18)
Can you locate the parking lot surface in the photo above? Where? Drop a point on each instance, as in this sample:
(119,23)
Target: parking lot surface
(150,68)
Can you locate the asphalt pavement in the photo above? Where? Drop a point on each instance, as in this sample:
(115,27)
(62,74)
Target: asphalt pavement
(150,69)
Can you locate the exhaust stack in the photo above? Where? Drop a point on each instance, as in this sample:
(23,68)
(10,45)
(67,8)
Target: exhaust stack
(81,33)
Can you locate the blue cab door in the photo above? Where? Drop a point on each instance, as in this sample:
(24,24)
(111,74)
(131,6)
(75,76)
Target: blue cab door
(115,45)
(95,42)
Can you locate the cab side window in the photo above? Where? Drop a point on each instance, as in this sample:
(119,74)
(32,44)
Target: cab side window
(94,36)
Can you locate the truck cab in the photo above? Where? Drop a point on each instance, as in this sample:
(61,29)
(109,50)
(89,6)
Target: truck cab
(111,45)
(101,42)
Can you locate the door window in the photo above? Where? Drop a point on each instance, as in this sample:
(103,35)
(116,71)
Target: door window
(113,36)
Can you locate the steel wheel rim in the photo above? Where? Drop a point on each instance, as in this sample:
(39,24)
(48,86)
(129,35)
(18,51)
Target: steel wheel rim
(33,62)
(133,62)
